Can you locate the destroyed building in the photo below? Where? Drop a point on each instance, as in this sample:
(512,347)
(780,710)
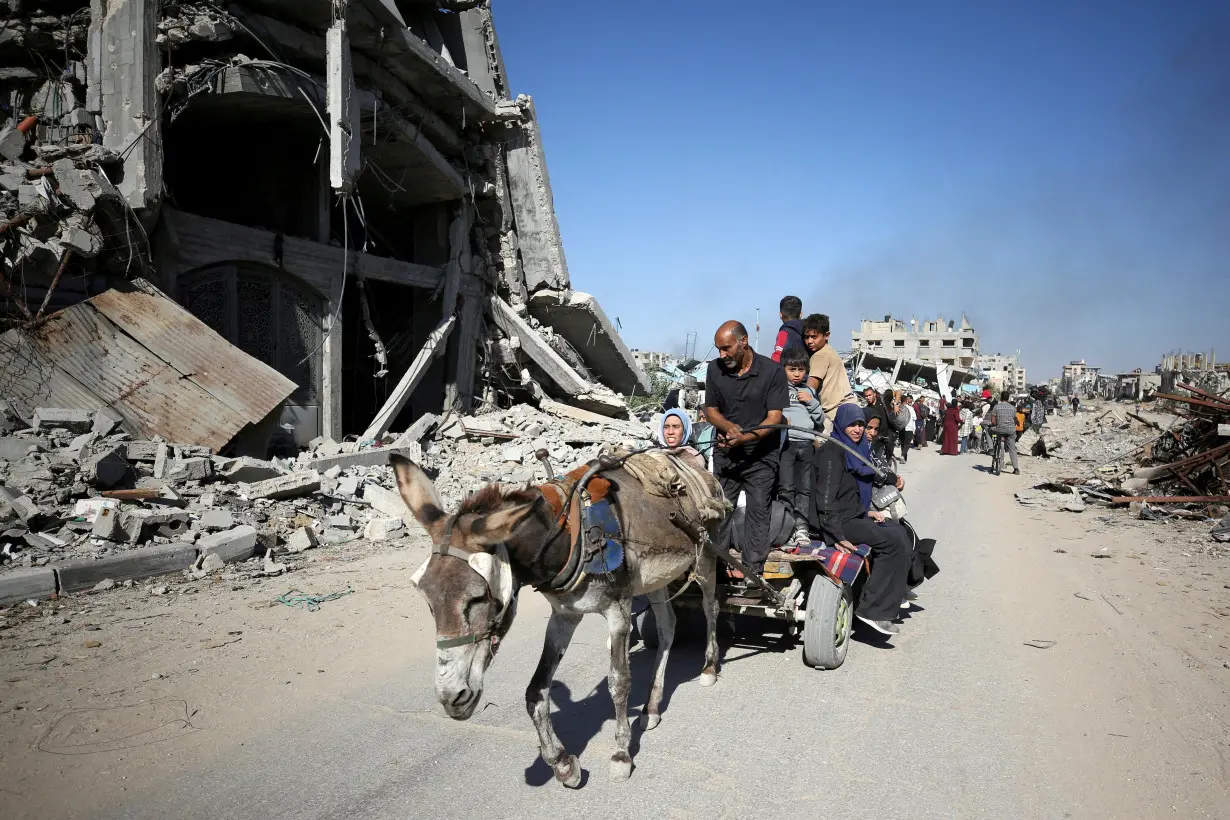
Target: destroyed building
(346,191)
(938,341)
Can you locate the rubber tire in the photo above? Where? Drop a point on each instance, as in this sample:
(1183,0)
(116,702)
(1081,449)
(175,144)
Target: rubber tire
(825,641)
(646,626)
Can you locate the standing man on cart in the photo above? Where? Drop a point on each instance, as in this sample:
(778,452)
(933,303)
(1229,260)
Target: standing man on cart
(743,390)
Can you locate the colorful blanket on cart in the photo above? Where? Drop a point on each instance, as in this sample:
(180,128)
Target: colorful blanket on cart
(844,566)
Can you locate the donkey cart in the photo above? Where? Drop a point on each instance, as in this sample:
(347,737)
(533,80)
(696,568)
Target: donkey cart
(811,592)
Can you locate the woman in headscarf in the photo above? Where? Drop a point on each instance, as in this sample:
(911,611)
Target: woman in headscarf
(952,431)
(674,433)
(842,499)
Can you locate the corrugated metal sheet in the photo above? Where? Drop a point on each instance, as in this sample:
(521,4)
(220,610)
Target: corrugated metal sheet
(162,369)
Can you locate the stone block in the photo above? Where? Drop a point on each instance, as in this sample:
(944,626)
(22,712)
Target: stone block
(287,486)
(144,562)
(348,486)
(162,456)
(106,420)
(16,449)
(108,524)
(217,520)
(105,468)
(142,450)
(245,470)
(190,469)
(48,418)
(382,529)
(301,539)
(23,584)
(385,501)
(172,524)
(340,522)
(12,142)
(237,544)
(78,448)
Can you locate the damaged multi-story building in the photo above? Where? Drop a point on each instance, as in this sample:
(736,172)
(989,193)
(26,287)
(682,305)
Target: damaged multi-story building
(347,191)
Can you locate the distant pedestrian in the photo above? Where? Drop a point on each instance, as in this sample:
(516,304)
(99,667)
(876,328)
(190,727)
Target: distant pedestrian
(1001,422)
(909,429)
(920,417)
(952,431)
(1076,404)
(966,432)
(790,334)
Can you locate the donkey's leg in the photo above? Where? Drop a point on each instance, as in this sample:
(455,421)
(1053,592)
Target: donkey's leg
(538,701)
(664,614)
(619,622)
(706,577)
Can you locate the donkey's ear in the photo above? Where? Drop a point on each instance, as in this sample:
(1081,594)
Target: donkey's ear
(499,526)
(418,492)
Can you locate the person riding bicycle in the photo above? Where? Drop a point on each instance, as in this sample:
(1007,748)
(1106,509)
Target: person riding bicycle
(1001,421)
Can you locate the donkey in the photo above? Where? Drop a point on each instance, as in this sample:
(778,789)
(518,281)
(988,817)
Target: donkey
(501,540)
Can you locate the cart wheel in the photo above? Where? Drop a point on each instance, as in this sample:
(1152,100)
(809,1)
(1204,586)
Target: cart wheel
(826,632)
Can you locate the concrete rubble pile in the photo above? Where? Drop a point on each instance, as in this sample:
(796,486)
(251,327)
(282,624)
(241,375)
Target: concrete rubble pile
(1165,462)
(83,507)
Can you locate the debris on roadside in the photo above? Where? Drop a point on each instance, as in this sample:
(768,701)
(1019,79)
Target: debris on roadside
(85,501)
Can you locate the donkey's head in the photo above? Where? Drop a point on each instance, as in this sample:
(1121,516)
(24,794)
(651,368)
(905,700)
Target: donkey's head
(467,579)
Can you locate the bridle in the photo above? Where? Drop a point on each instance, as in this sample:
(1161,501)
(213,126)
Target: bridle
(444,547)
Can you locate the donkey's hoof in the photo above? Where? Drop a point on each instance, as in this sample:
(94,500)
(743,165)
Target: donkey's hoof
(649,721)
(708,678)
(568,771)
(621,769)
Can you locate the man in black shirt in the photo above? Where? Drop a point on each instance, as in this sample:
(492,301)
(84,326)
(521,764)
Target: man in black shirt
(744,390)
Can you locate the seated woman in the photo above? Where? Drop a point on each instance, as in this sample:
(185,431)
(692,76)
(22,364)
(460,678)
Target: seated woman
(674,433)
(922,565)
(842,497)
(882,458)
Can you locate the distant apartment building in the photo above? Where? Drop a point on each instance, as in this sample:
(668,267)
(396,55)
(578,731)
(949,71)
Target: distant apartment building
(931,341)
(652,359)
(1079,378)
(1002,372)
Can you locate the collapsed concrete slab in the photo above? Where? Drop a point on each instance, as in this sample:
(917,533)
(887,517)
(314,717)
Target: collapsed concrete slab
(580,319)
(567,383)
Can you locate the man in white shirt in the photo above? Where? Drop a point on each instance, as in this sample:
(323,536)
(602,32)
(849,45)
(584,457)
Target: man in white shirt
(907,435)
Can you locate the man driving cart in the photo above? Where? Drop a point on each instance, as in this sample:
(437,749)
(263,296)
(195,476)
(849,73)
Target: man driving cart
(745,390)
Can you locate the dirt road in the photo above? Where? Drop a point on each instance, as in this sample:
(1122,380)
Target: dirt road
(1033,681)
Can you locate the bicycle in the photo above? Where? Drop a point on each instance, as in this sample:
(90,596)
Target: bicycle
(997,454)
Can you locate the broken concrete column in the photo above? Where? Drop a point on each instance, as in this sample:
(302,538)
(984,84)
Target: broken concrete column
(123,33)
(342,106)
(49,418)
(289,486)
(542,249)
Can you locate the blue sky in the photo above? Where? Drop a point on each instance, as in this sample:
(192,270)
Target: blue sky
(1058,171)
